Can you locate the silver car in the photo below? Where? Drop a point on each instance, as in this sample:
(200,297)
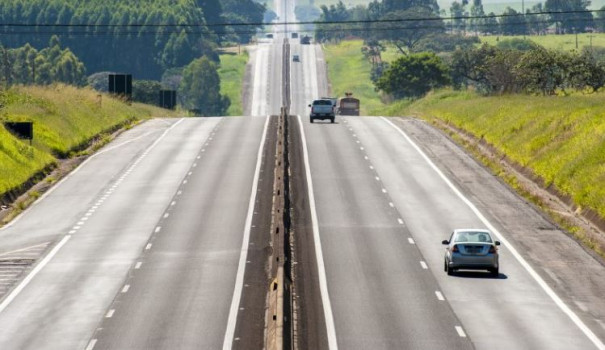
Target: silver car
(471,249)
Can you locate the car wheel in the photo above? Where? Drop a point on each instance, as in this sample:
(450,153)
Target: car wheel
(495,272)
(311,120)
(449,270)
(332,120)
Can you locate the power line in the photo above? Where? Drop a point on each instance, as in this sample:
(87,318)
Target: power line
(260,24)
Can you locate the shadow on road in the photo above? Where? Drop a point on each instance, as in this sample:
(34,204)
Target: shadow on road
(478,274)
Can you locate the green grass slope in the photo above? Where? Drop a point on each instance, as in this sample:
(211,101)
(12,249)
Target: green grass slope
(561,139)
(66,119)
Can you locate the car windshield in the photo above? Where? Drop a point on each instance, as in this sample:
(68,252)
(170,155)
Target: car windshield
(322,102)
(473,237)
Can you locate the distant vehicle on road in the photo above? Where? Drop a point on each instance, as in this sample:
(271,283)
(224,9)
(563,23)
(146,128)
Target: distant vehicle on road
(348,105)
(471,249)
(295,58)
(305,40)
(334,101)
(269,36)
(322,109)
(294,35)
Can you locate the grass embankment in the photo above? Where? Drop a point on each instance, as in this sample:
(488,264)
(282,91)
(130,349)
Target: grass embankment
(66,120)
(231,72)
(561,139)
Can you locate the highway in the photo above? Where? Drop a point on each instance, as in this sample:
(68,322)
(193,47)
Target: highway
(385,193)
(160,240)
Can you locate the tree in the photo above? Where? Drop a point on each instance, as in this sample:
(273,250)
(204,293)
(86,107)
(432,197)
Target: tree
(458,11)
(200,88)
(146,91)
(543,71)
(477,24)
(418,23)
(512,22)
(577,22)
(414,75)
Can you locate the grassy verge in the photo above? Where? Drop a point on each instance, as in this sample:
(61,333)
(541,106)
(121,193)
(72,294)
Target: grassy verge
(232,72)
(66,120)
(349,71)
(559,138)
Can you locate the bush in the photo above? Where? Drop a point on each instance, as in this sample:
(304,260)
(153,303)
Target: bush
(414,75)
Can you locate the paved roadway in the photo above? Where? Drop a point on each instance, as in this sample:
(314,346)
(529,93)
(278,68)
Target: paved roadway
(382,210)
(147,240)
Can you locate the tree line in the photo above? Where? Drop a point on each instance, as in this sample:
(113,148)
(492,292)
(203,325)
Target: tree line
(514,66)
(115,35)
(27,65)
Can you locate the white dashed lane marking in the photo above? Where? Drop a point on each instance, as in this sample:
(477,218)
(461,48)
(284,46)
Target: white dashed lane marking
(439,296)
(460,332)
(424,265)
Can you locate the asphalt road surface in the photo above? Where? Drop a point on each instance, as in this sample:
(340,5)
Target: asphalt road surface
(159,241)
(383,201)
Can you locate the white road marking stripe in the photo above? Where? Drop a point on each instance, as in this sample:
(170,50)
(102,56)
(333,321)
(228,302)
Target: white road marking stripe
(384,190)
(377,178)
(323,282)
(173,203)
(243,257)
(575,319)
(110,313)
(439,295)
(460,332)
(166,215)
(92,344)
(391,205)
(148,246)
(157,229)
(32,274)
(366,157)
(400,221)
(424,265)
(126,288)
(372,167)
(411,240)
(52,189)
(72,232)
(138,265)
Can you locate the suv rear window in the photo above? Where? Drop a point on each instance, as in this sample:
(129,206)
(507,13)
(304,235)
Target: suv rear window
(322,102)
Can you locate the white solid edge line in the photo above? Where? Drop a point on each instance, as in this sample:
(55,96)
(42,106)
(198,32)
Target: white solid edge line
(323,283)
(92,344)
(578,322)
(32,274)
(460,332)
(239,279)
(52,189)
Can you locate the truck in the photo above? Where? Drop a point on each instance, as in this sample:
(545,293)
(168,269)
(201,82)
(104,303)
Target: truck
(348,105)
(322,109)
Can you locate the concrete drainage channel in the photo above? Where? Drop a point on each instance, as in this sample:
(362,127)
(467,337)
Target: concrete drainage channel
(280,326)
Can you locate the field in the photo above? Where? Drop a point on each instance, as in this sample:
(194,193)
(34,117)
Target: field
(344,58)
(565,42)
(231,72)
(66,120)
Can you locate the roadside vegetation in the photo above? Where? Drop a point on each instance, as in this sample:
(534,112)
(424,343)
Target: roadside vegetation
(231,71)
(67,120)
